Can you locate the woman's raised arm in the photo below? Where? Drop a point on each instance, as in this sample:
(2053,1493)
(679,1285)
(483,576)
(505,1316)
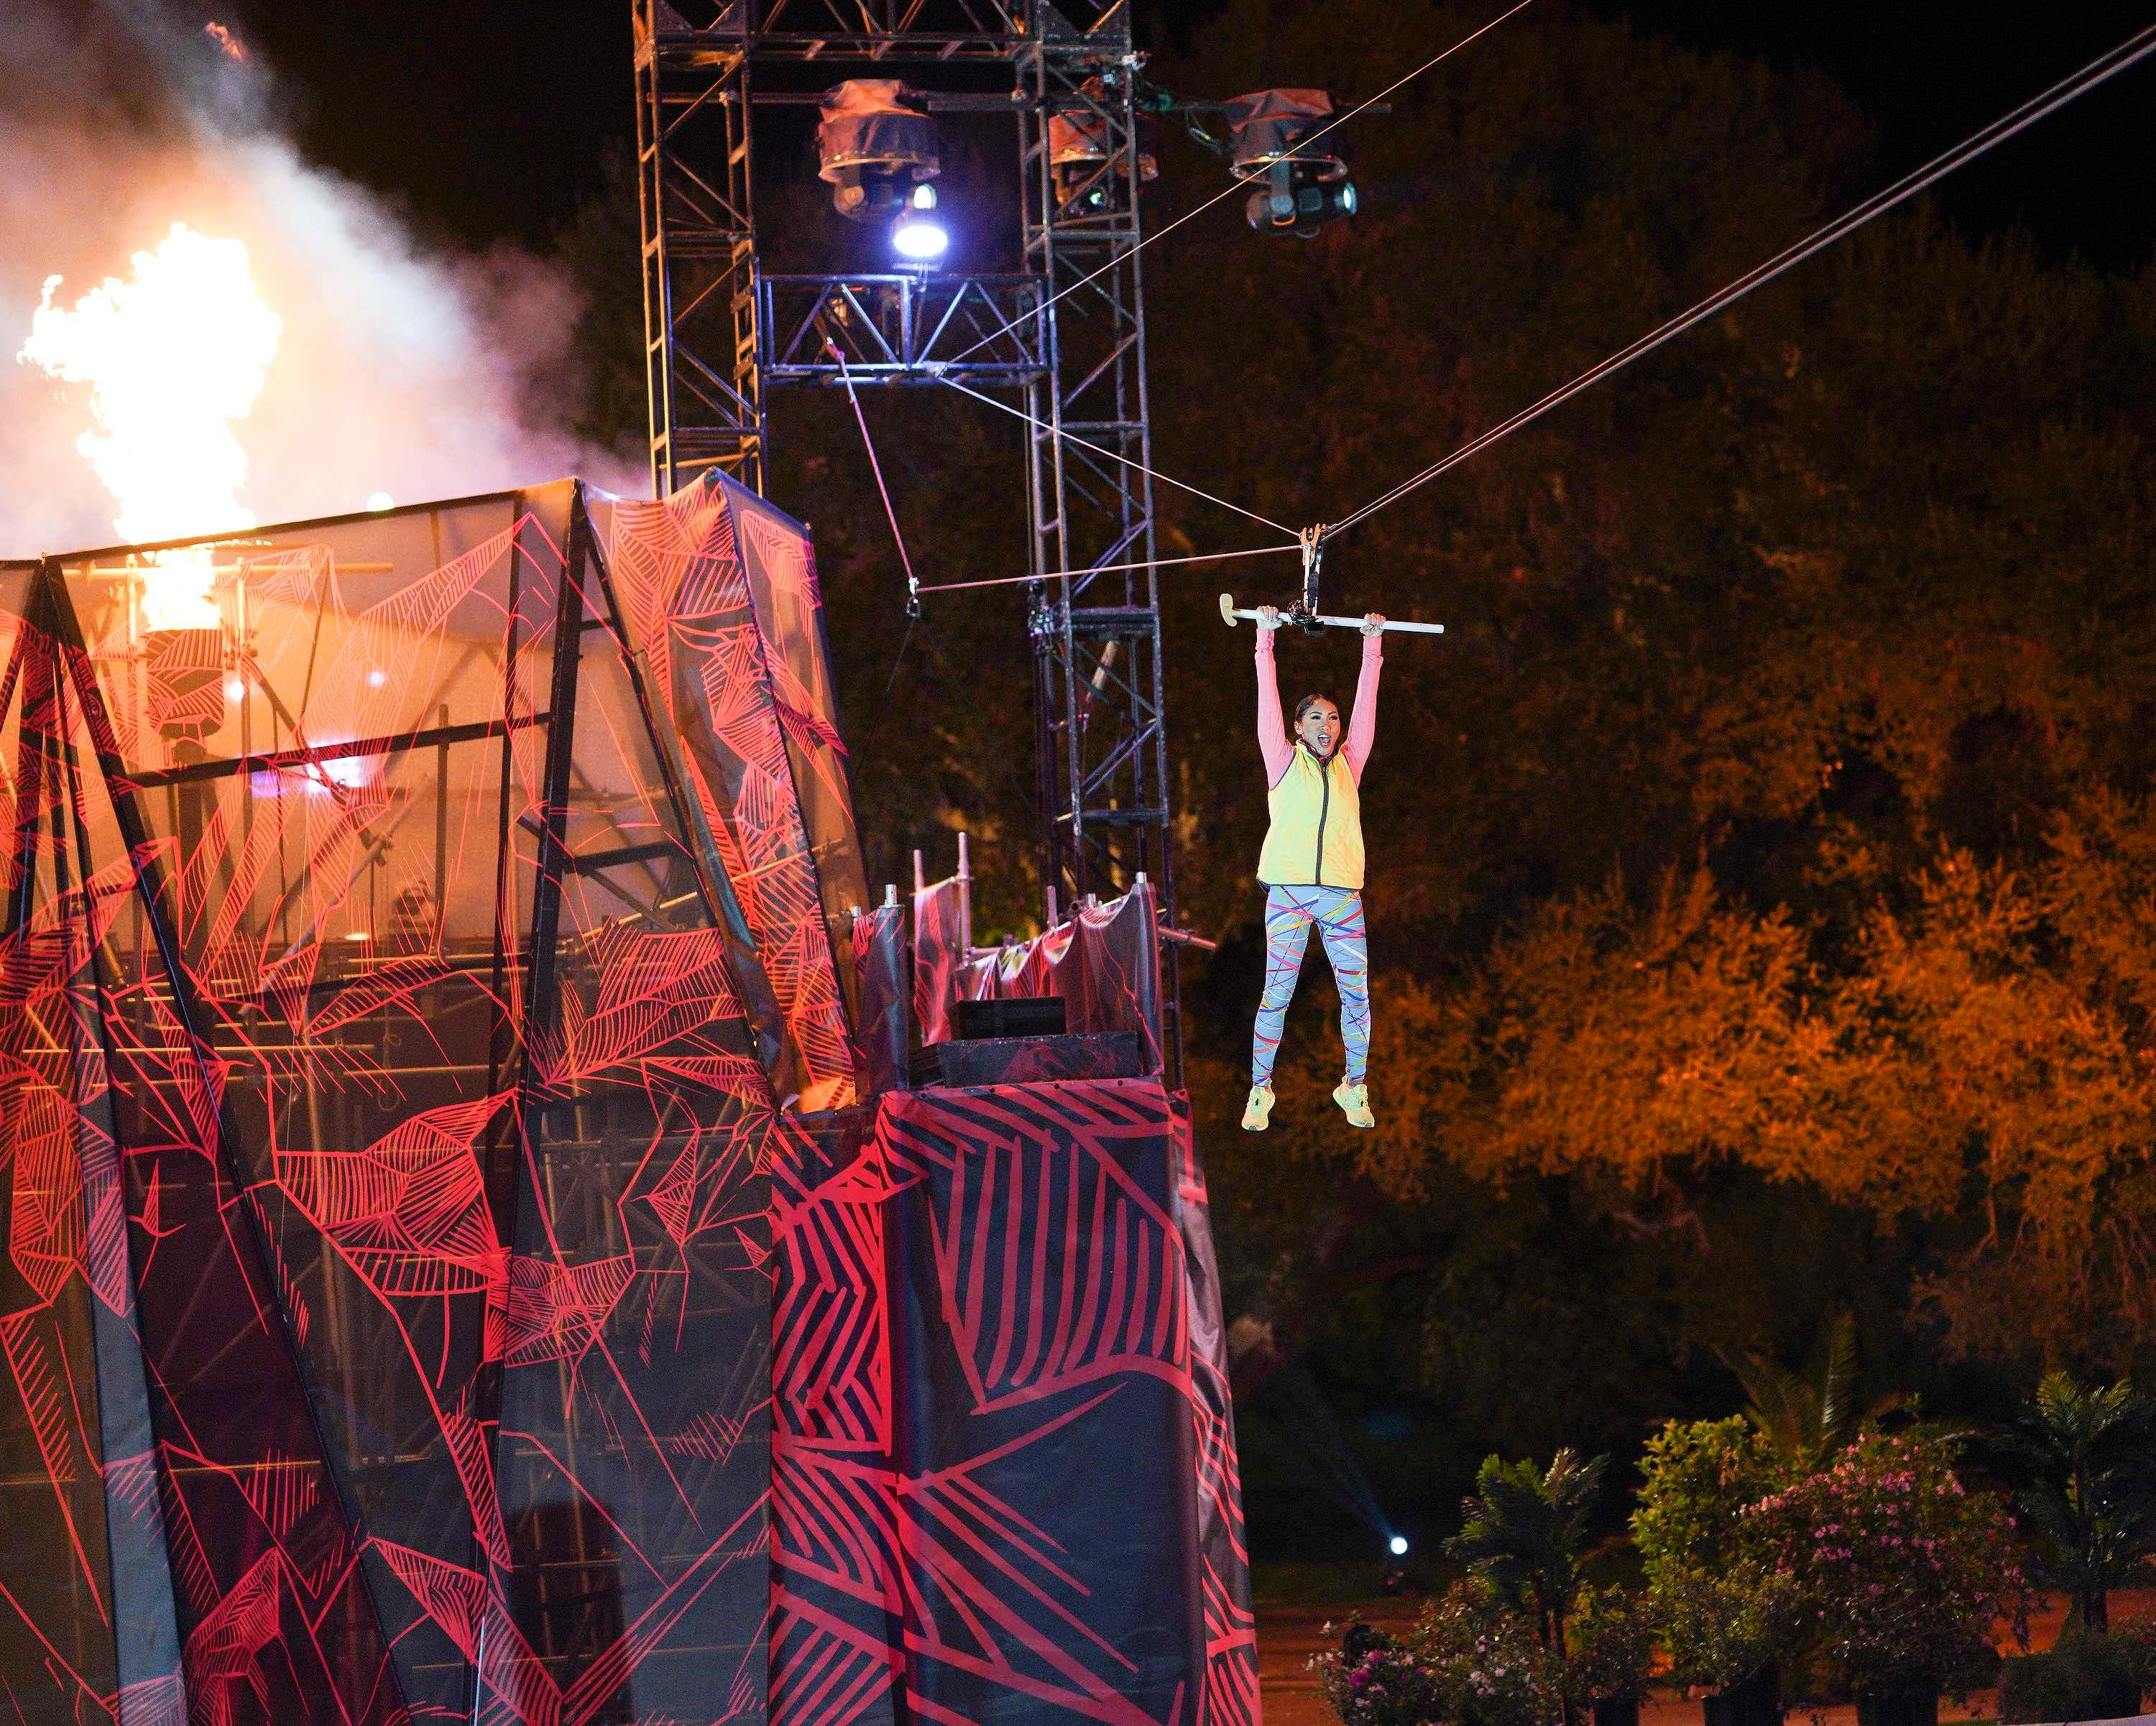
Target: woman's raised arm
(1272,730)
(1363,723)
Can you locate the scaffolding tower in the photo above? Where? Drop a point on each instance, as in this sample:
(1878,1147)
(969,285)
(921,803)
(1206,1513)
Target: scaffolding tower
(1063,334)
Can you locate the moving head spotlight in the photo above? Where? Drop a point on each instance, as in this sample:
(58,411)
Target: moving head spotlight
(1306,185)
(1088,165)
(875,143)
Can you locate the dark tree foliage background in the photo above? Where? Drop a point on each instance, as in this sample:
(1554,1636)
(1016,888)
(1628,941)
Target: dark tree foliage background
(1764,866)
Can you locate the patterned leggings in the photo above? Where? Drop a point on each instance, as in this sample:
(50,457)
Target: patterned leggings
(1290,911)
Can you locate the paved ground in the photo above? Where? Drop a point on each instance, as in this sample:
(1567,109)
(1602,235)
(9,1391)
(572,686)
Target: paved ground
(1288,1636)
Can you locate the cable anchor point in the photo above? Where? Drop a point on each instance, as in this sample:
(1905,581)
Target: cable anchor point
(1303,614)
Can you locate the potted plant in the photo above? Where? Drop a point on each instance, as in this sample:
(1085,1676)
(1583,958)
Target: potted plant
(1697,1480)
(1726,1631)
(1374,1678)
(1901,1571)
(1470,1661)
(1726,1615)
(1610,1654)
(2089,1505)
(1489,1667)
(1523,1533)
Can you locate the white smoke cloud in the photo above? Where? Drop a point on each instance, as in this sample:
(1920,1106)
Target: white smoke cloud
(401,369)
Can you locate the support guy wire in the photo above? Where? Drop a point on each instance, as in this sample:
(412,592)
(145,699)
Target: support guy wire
(2103,67)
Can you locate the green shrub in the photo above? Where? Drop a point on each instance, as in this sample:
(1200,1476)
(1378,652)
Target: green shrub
(1725,1627)
(1696,1480)
(1612,1641)
(2088,1676)
(1710,1583)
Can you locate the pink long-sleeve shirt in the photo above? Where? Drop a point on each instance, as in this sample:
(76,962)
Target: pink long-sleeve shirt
(1274,742)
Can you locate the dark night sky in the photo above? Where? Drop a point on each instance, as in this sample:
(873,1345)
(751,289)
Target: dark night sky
(488,119)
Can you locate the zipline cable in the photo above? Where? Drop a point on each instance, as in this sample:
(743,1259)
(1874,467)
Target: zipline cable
(875,467)
(1236,182)
(1056,432)
(1103,569)
(2104,66)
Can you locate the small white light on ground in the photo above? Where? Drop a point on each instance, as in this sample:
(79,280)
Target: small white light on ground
(376,678)
(380,500)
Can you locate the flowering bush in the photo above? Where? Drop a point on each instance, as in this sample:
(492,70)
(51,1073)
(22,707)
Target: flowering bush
(1373,1678)
(2140,1642)
(1903,1571)
(1469,1662)
(1491,1671)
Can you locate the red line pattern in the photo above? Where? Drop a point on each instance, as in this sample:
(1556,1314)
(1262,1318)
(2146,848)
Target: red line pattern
(719,596)
(984,1299)
(385,1333)
(417,1303)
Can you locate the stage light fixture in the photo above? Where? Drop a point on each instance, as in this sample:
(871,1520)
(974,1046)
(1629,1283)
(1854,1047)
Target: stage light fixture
(1079,157)
(1306,185)
(876,145)
(918,237)
(1397,1546)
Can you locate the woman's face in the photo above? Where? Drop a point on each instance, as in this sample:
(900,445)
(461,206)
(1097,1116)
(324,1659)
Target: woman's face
(1319,728)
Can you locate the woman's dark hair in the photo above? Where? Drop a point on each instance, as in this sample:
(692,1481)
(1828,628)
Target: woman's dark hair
(1308,702)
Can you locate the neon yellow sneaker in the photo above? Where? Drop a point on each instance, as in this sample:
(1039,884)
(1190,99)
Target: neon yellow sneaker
(1354,1101)
(1255,1111)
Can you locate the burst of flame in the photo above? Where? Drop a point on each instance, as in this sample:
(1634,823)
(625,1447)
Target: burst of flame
(173,355)
(177,591)
(232,46)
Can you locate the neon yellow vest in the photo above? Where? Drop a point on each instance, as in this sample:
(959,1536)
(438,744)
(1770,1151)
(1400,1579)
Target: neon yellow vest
(1317,836)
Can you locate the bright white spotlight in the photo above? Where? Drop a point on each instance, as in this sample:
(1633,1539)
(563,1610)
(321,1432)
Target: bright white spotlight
(919,236)
(380,500)
(1398,1546)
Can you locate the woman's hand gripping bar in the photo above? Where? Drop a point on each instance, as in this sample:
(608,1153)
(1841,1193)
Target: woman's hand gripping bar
(1314,621)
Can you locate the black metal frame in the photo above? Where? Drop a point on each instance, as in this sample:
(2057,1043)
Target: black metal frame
(895,327)
(1066,336)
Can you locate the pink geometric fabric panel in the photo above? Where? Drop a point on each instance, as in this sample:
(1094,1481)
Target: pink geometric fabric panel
(1104,962)
(939,956)
(882,965)
(387,1294)
(753,741)
(1002,1418)
(780,564)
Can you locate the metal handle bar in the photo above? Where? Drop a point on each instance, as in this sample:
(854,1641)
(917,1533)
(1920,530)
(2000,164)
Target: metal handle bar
(1228,613)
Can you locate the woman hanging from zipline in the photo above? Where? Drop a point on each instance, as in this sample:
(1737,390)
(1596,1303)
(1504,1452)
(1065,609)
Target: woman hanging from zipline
(1311,866)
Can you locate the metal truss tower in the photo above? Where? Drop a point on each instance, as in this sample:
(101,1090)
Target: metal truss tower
(1064,335)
